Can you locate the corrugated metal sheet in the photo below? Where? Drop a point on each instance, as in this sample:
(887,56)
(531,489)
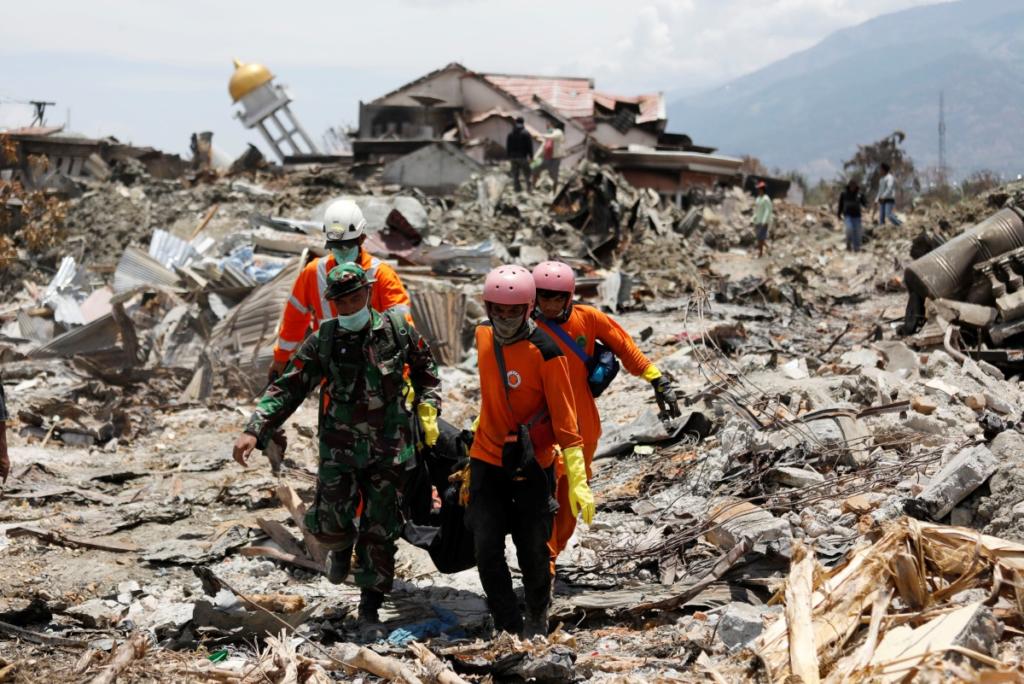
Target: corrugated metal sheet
(572,97)
(34,328)
(137,268)
(97,336)
(232,276)
(439,314)
(64,277)
(58,295)
(249,330)
(169,250)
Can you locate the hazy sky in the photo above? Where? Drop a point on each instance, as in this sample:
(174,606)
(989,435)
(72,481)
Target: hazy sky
(153,71)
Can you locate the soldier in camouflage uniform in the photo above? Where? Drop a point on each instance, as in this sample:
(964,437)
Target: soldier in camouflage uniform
(366,440)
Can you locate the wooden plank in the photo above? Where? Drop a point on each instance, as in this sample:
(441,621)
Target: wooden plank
(55,537)
(290,499)
(271,552)
(280,534)
(803,651)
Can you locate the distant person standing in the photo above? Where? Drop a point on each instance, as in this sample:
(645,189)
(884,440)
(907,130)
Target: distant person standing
(5,462)
(762,216)
(851,203)
(887,197)
(552,152)
(519,148)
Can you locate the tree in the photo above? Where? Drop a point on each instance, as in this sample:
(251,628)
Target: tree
(865,166)
(752,166)
(979,182)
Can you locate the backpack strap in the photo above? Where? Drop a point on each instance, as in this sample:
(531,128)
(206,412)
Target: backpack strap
(564,336)
(400,327)
(326,337)
(325,334)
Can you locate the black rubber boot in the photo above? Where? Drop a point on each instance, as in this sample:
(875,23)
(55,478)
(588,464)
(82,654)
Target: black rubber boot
(535,625)
(338,565)
(371,627)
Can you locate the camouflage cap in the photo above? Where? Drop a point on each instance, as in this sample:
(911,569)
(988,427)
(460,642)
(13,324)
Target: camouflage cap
(345,279)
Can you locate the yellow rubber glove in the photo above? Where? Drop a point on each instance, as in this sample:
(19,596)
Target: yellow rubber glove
(581,499)
(428,421)
(475,425)
(652,373)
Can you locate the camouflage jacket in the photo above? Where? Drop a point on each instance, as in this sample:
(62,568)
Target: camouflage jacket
(363,414)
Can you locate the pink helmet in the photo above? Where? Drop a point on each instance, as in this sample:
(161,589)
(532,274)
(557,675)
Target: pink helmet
(554,276)
(510,285)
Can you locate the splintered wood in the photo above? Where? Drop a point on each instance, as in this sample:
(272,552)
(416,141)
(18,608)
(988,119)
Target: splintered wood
(887,614)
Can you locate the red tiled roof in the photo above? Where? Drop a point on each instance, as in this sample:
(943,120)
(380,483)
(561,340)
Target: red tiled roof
(572,97)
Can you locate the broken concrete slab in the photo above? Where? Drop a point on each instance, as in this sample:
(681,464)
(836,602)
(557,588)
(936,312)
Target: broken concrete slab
(97,613)
(958,477)
(796,477)
(734,520)
(740,623)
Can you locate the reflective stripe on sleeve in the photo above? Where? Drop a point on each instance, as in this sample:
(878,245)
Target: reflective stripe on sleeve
(297,305)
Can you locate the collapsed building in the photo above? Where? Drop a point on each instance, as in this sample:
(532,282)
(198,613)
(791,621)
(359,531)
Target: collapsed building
(456,108)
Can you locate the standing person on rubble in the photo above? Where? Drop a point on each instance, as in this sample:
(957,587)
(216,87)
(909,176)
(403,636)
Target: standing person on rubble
(580,332)
(308,306)
(519,148)
(762,216)
(552,151)
(366,435)
(5,461)
(849,209)
(526,410)
(886,197)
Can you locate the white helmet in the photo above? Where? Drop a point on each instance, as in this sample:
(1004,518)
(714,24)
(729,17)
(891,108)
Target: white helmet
(343,220)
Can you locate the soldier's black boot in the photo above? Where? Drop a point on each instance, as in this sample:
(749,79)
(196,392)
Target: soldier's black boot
(338,564)
(535,625)
(370,602)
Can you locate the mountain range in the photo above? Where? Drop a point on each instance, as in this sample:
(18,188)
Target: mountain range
(809,111)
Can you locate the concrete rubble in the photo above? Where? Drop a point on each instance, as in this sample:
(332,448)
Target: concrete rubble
(840,501)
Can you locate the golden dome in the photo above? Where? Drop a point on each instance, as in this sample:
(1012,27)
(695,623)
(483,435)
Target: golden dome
(247,78)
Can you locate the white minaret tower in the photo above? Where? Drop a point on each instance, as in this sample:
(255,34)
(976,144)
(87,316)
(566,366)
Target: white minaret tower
(263,102)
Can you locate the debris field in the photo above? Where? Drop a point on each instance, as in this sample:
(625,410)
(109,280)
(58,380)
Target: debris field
(842,500)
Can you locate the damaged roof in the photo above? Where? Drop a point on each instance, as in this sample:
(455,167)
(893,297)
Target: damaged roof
(652,105)
(573,97)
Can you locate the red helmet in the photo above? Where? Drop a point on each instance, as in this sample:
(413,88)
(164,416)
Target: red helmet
(554,276)
(510,285)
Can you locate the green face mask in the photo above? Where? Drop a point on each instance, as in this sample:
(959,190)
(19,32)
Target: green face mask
(346,255)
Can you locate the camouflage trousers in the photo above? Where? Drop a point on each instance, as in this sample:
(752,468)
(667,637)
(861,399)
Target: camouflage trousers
(333,517)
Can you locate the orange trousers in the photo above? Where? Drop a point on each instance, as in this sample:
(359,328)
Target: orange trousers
(565,522)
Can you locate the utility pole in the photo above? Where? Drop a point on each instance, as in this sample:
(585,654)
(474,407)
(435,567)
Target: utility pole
(943,172)
(40,116)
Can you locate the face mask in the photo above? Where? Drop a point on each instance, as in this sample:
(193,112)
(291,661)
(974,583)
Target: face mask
(355,322)
(507,327)
(347,255)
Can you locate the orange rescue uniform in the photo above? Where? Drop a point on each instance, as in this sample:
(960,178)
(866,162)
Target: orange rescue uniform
(538,375)
(308,304)
(587,325)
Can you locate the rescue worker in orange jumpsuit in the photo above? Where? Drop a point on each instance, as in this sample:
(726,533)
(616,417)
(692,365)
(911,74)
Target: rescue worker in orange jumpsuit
(308,305)
(585,326)
(526,410)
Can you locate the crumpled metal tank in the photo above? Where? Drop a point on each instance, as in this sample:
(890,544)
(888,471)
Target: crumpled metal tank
(946,270)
